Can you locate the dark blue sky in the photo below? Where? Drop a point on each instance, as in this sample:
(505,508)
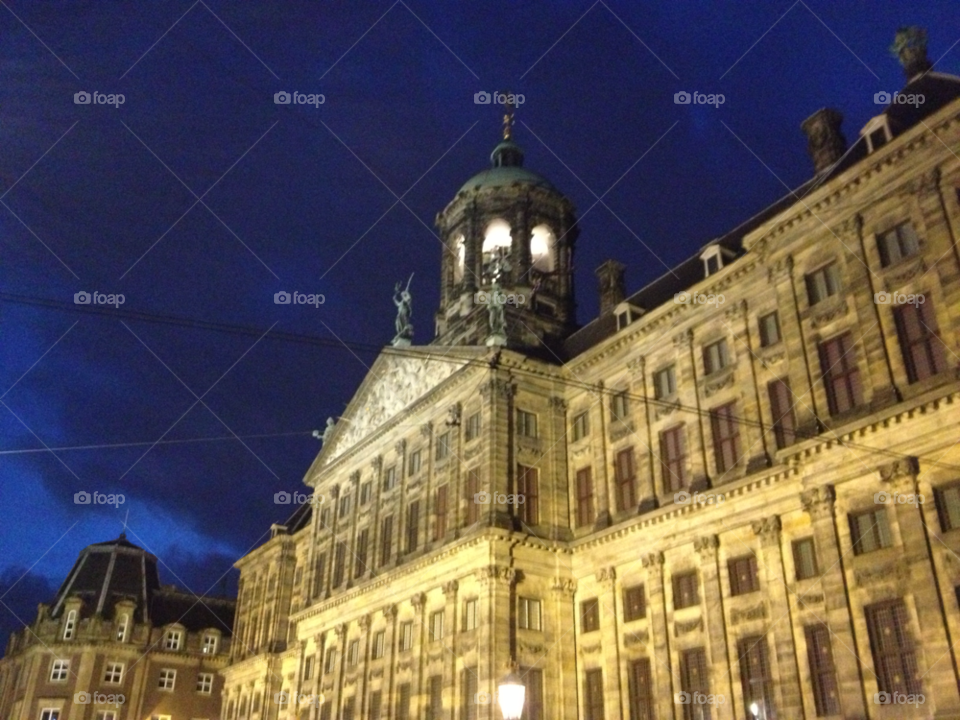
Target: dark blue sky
(102,198)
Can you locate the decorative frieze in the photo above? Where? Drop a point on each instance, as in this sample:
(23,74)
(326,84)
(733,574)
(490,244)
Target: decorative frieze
(828,316)
(451,588)
(897,571)
(818,501)
(683,628)
(664,409)
(684,340)
(621,430)
(641,637)
(530,648)
(907,467)
(558,405)
(807,600)
(607,574)
(894,280)
(637,366)
(654,560)
(497,574)
(711,386)
(767,529)
(758,612)
(566,587)
(590,649)
(706,545)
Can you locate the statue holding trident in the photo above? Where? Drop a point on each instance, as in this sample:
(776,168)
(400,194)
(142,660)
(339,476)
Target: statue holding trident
(404,302)
(495,309)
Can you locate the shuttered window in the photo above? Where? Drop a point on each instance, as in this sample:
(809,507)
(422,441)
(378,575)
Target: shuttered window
(743,575)
(585,509)
(870,531)
(590,615)
(593,694)
(413,526)
(726,436)
(894,657)
(470,488)
(376,699)
(360,567)
(528,488)
(319,569)
(823,673)
(756,678)
(685,590)
(673,458)
(403,702)
(626,480)
(919,341)
(339,563)
(634,603)
(435,707)
(386,539)
(781,408)
(440,513)
(640,689)
(694,678)
(841,376)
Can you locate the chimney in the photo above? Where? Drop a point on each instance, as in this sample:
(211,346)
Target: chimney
(910,47)
(825,142)
(612,287)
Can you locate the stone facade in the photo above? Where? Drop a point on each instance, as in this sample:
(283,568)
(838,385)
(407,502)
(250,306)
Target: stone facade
(767,524)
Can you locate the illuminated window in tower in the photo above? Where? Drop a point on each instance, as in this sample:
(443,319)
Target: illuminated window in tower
(542,241)
(496,240)
(460,256)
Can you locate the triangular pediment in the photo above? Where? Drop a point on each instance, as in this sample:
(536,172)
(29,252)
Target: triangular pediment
(398,379)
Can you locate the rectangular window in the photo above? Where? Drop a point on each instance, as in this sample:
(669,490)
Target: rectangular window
(379,644)
(59,670)
(344,506)
(781,408)
(948,506)
(665,382)
(435,694)
(805,558)
(360,566)
(471,487)
(403,702)
(113,673)
(52,714)
(585,509)
(168,679)
(469,615)
(330,661)
(823,673)
(743,575)
(685,592)
(70,625)
(406,636)
(823,283)
(413,526)
(756,678)
(390,478)
(620,407)
(593,694)
(443,445)
(210,641)
(386,539)
(173,640)
(319,568)
(526,424)
(365,491)
(870,531)
(694,678)
(581,426)
(626,480)
(919,340)
(894,657)
(376,702)
(349,709)
(353,653)
(472,431)
(640,689)
(715,357)
(204,683)
(533,697)
(528,614)
(528,495)
(898,243)
(673,459)
(769,329)
(106,715)
(726,436)
(326,710)
(841,376)
(470,684)
(436,626)
(590,615)
(414,463)
(440,513)
(325,518)
(339,563)
(634,603)
(308,667)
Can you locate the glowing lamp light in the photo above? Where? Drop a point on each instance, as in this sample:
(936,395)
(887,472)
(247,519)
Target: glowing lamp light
(510,694)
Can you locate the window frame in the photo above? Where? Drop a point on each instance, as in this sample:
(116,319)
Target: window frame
(626,486)
(585,510)
(843,374)
(527,425)
(744,575)
(684,596)
(823,670)
(529,614)
(884,247)
(59,670)
(668,373)
(167,681)
(800,573)
(922,354)
(590,615)
(764,323)
(673,438)
(111,675)
(716,356)
(634,603)
(528,487)
(580,426)
(205,683)
(725,429)
(878,534)
(823,283)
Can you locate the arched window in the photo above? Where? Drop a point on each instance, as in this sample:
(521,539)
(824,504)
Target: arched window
(459,257)
(497,241)
(542,248)
(70,625)
(123,625)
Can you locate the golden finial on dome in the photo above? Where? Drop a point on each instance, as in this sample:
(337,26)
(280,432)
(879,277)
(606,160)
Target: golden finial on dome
(510,108)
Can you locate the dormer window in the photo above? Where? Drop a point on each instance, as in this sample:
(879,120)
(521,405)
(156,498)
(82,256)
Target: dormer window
(209,644)
(123,626)
(173,640)
(626,314)
(712,258)
(877,133)
(70,625)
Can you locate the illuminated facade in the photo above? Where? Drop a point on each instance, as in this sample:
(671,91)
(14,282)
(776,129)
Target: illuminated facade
(736,487)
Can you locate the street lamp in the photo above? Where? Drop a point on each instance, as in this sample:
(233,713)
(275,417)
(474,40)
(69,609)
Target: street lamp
(510,695)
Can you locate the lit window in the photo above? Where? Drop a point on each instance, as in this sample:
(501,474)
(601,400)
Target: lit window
(210,642)
(106,715)
(168,679)
(528,614)
(542,241)
(113,673)
(205,683)
(122,627)
(459,257)
(59,670)
(49,714)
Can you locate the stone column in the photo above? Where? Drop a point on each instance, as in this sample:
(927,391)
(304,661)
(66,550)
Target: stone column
(818,502)
(364,679)
(609,640)
(496,631)
(697,441)
(498,392)
(450,641)
(721,682)
(916,567)
(390,650)
(774,588)
(602,477)
(555,505)
(471,251)
(419,651)
(373,559)
(562,656)
(318,642)
(661,663)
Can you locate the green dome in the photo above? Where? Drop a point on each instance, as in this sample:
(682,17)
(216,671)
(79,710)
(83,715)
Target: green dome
(507,162)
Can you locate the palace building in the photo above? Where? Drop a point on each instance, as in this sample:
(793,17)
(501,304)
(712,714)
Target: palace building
(734,494)
(116,645)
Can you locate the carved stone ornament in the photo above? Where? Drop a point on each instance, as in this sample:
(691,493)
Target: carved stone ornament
(401,381)
(713,386)
(401,447)
(377,463)
(928,182)
(364,623)
(682,628)
(530,648)
(558,404)
(497,573)
(828,316)
(904,273)
(341,631)
(664,409)
(706,545)
(621,430)
(498,387)
(898,469)
(807,600)
(389,612)
(378,673)
(768,529)
(897,571)
(818,501)
(767,360)
(641,637)
(426,430)
(418,600)
(654,559)
(454,414)
(683,340)
(758,612)
(607,574)
(355,477)
(451,588)
(637,366)
(781,269)
(590,649)
(564,586)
